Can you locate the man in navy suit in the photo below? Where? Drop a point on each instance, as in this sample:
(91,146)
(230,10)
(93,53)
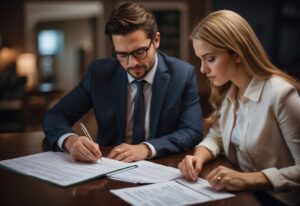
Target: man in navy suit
(169,118)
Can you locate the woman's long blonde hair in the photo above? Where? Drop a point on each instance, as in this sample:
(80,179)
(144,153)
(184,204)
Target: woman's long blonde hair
(227,31)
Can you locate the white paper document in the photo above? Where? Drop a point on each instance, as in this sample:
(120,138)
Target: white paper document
(147,172)
(176,192)
(60,169)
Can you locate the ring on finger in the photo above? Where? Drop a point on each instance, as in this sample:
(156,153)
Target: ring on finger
(219,178)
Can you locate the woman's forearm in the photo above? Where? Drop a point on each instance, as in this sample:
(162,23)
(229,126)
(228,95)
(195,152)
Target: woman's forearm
(203,154)
(257,181)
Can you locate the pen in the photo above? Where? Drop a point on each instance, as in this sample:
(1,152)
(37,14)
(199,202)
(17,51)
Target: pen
(86,132)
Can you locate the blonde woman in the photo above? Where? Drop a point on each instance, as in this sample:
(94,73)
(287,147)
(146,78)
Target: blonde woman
(256,112)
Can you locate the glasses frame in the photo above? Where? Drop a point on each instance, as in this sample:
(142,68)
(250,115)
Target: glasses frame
(133,53)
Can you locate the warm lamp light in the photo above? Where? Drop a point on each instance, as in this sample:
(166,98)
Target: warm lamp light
(26,66)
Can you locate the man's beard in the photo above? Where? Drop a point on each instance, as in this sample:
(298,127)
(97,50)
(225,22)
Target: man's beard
(140,68)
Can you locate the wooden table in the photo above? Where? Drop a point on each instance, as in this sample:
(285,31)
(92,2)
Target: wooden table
(17,189)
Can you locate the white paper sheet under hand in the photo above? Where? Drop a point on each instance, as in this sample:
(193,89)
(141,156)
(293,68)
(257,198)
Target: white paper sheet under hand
(147,172)
(175,193)
(60,169)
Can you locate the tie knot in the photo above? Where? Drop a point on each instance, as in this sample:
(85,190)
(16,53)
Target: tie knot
(140,84)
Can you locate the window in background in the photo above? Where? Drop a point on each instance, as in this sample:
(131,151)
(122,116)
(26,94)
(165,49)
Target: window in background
(50,42)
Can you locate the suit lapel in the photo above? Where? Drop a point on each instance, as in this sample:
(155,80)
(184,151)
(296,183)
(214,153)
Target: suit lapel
(159,89)
(119,86)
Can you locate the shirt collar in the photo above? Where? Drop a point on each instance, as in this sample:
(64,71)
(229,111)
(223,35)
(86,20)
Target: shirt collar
(253,91)
(149,78)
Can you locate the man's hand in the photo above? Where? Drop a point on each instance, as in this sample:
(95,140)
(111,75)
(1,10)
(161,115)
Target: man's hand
(82,149)
(130,153)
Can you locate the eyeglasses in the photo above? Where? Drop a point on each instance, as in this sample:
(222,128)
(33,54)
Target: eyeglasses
(140,53)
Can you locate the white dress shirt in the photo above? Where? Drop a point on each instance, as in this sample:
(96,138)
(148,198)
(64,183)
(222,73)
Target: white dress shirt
(238,132)
(131,91)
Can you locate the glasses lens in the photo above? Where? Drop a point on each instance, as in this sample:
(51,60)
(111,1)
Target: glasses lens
(140,54)
(121,56)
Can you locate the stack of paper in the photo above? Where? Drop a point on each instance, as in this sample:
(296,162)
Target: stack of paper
(60,169)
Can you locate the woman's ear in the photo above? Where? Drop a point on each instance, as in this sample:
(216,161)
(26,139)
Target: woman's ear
(237,58)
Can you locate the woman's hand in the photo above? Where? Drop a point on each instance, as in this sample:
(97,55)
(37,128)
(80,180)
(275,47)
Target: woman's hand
(190,167)
(224,178)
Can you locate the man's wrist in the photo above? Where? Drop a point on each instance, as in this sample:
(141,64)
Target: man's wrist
(62,139)
(68,142)
(149,152)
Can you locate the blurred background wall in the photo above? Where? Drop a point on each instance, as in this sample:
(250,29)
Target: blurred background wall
(46,46)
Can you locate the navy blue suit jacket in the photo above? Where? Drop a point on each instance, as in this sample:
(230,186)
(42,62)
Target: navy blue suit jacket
(175,113)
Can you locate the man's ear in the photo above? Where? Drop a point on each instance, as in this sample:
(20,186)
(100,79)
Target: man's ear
(156,40)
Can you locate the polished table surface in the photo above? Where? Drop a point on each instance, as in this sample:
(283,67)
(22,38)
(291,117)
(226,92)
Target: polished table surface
(17,189)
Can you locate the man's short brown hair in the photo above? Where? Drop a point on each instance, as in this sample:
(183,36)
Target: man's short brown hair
(130,17)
